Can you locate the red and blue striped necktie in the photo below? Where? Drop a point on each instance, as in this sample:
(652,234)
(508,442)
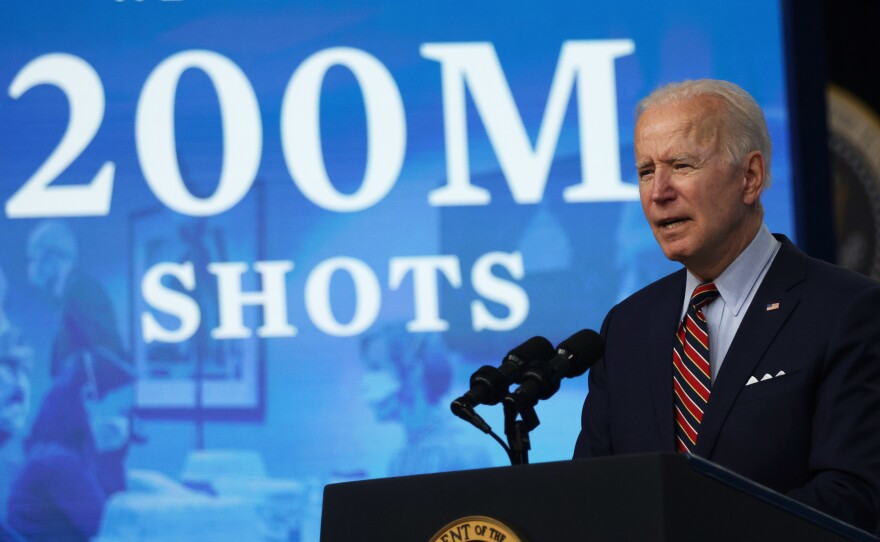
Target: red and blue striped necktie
(691,375)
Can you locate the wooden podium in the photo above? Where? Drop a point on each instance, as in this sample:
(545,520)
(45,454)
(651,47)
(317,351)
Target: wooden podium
(650,497)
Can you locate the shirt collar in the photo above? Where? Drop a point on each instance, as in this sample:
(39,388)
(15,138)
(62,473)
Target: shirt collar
(735,283)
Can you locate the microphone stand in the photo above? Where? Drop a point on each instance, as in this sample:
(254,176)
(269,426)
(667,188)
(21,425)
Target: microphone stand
(517,431)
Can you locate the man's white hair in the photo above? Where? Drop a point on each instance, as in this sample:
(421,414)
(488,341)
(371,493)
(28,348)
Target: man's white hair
(746,127)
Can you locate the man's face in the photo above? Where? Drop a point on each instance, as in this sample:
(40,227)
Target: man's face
(703,210)
(44,267)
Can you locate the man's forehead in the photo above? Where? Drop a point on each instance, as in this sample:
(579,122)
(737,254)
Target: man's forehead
(688,114)
(677,128)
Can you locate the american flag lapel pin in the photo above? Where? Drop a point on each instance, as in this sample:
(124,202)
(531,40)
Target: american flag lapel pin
(772,306)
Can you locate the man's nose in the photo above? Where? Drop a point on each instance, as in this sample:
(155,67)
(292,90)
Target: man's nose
(662,189)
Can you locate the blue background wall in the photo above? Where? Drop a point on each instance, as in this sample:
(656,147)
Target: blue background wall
(318,405)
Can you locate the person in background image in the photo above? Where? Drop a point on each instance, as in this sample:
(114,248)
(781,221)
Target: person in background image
(74,453)
(15,394)
(14,408)
(76,448)
(407,377)
(88,321)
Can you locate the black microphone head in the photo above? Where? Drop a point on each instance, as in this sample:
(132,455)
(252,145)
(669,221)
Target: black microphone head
(517,361)
(535,349)
(490,384)
(583,349)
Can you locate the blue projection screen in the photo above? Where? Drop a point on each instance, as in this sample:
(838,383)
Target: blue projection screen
(252,248)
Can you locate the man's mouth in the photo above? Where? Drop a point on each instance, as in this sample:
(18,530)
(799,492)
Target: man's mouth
(671,223)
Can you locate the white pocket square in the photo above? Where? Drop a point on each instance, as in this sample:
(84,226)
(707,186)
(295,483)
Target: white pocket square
(767,376)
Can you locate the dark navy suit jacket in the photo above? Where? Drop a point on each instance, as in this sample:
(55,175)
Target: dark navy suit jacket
(812,433)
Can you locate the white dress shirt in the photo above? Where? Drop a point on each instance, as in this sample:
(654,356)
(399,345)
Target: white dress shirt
(737,286)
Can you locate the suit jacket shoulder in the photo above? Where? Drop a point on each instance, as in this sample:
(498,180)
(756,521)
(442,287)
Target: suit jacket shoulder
(626,411)
(664,290)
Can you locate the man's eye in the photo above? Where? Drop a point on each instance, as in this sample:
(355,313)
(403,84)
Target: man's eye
(645,173)
(682,166)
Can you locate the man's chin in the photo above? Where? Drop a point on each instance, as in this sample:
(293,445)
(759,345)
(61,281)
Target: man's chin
(676,254)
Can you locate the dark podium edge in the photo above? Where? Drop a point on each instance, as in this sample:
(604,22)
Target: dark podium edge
(777,500)
(423,504)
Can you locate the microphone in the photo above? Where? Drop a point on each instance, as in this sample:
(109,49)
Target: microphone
(573,357)
(489,385)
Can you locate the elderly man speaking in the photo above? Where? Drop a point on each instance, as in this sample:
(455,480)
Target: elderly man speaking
(754,355)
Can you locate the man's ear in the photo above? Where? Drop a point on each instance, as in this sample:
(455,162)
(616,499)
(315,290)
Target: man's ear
(754,173)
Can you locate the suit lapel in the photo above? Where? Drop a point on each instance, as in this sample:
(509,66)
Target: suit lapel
(757,330)
(661,334)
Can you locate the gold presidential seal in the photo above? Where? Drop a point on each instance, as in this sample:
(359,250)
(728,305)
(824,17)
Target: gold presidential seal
(476,529)
(854,143)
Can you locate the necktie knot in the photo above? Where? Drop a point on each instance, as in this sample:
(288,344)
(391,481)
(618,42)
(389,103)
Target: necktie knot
(704,294)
